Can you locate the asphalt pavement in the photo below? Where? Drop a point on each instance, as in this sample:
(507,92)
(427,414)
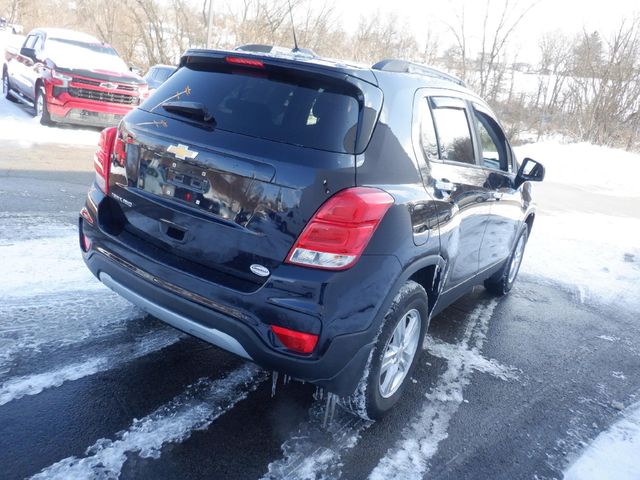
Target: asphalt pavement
(90,387)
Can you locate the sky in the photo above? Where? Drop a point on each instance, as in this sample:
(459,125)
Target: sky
(548,15)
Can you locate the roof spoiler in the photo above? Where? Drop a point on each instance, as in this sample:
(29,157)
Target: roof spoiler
(404,66)
(273,49)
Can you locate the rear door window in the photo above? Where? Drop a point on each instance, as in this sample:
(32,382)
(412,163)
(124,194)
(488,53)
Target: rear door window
(454,134)
(311,111)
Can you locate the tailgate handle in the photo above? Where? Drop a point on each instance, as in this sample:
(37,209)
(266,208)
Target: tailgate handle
(172,230)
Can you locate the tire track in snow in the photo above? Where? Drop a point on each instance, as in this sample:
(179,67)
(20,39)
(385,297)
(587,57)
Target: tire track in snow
(18,387)
(316,453)
(195,409)
(409,458)
(472,358)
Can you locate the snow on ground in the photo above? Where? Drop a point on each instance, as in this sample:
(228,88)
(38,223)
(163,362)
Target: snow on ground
(18,124)
(614,454)
(44,266)
(587,240)
(595,254)
(596,169)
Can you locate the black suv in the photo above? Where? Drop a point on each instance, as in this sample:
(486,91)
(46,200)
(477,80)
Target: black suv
(308,215)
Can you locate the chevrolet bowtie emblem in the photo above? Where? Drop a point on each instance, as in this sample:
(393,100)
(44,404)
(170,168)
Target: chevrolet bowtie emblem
(182,152)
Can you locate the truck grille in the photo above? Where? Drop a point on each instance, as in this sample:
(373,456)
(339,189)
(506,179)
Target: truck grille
(96,83)
(103,96)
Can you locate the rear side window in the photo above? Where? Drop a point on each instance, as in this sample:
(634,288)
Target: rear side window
(310,111)
(454,135)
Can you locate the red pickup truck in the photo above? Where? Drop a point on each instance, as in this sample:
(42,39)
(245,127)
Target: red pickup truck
(71,77)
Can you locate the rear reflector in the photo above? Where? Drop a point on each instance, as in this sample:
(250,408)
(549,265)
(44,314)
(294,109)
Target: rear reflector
(299,342)
(340,230)
(102,157)
(247,62)
(85,243)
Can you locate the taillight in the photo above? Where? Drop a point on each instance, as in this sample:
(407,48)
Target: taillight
(102,157)
(299,342)
(340,230)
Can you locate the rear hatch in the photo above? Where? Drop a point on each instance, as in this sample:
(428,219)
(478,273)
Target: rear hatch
(223,166)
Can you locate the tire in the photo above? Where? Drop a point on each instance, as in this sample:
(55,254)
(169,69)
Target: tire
(41,110)
(501,282)
(6,87)
(378,391)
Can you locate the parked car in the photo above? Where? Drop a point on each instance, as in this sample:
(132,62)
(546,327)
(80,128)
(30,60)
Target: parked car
(308,215)
(157,75)
(71,77)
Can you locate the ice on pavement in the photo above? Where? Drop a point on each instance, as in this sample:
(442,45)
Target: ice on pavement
(45,266)
(195,409)
(614,454)
(16,388)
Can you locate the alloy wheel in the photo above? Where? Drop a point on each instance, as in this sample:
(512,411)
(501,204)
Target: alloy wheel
(399,353)
(516,260)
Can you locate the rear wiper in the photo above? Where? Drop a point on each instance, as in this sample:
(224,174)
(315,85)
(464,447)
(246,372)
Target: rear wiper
(192,110)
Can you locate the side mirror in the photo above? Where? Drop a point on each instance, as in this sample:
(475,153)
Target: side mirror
(28,52)
(530,171)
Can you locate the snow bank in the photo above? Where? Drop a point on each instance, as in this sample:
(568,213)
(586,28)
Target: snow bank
(613,454)
(596,169)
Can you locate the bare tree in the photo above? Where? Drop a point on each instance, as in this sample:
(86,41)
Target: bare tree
(499,21)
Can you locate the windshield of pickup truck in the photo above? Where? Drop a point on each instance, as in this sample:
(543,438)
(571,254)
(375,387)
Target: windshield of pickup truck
(94,47)
(75,54)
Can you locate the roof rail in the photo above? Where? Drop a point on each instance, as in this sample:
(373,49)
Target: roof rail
(404,66)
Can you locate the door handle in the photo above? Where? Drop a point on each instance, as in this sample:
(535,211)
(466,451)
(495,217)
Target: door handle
(445,185)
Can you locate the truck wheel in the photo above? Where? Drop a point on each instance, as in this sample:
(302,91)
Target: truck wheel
(41,107)
(6,87)
(501,282)
(394,356)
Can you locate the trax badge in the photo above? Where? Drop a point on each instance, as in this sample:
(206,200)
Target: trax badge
(182,152)
(259,270)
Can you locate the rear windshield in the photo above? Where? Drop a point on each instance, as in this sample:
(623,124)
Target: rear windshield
(314,112)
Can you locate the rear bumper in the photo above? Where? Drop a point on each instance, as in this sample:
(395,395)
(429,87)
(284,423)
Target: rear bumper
(240,322)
